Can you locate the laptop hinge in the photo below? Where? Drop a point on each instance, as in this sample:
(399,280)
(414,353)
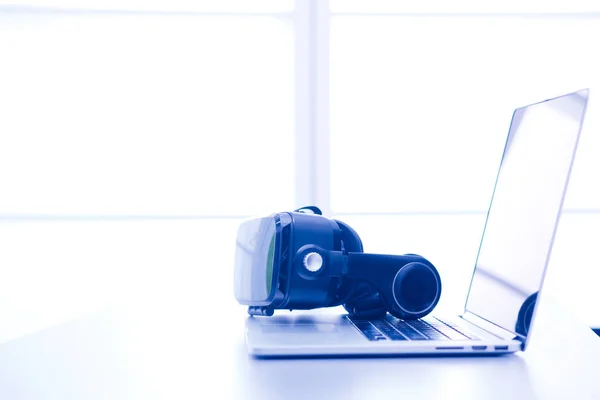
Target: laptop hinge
(491,328)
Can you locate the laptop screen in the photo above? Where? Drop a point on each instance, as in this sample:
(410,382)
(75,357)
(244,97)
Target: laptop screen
(524,212)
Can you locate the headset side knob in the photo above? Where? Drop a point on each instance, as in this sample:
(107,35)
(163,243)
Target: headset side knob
(313,261)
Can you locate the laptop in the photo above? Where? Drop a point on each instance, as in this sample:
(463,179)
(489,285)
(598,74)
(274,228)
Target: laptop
(509,270)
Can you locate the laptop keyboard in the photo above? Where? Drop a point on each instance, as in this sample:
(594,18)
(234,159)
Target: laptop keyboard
(429,328)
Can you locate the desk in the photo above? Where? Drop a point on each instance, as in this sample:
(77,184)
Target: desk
(169,350)
(179,335)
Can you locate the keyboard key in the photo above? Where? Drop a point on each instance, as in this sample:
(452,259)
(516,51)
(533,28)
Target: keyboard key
(388,330)
(405,329)
(368,330)
(445,329)
(427,330)
(461,329)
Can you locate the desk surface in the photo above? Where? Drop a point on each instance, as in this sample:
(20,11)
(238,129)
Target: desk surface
(156,349)
(172,330)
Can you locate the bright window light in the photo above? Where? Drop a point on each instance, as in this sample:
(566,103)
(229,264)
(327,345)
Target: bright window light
(420,106)
(145,114)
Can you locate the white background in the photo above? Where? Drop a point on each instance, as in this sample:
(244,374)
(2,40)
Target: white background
(138,133)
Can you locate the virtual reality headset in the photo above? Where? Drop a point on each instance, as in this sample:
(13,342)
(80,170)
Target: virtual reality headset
(302,260)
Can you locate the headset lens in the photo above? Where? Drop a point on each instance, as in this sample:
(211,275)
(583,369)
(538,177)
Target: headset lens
(256,261)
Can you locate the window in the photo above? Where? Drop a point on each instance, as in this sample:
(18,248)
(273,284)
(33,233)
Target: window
(135,133)
(134,113)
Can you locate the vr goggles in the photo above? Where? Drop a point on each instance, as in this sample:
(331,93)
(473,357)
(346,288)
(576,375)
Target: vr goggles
(302,260)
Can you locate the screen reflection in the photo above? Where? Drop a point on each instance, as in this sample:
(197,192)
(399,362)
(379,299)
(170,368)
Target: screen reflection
(525,209)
